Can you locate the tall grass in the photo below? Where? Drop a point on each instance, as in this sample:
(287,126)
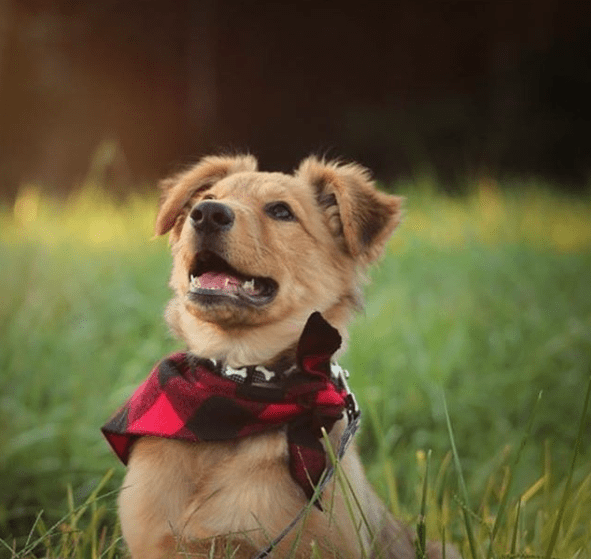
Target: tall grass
(485,297)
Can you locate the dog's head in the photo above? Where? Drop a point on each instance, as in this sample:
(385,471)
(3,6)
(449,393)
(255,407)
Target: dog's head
(254,253)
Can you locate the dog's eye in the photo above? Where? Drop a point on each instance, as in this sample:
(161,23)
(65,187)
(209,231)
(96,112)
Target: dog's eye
(279,211)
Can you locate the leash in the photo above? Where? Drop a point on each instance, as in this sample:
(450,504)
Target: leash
(353,417)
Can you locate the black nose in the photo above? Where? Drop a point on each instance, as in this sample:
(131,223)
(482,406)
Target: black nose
(211,216)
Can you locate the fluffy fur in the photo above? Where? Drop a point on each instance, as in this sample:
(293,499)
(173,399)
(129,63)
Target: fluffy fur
(229,499)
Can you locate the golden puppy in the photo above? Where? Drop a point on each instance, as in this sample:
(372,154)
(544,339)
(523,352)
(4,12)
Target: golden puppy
(255,255)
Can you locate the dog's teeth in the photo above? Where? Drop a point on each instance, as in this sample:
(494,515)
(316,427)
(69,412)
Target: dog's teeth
(195,283)
(248,285)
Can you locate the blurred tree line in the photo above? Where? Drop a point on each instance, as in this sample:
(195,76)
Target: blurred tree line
(124,91)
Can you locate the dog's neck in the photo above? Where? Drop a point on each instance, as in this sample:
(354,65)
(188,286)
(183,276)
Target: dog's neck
(239,347)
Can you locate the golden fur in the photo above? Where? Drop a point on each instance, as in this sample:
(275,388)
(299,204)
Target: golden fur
(229,499)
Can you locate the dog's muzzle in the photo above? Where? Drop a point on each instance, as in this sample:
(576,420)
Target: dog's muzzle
(212,279)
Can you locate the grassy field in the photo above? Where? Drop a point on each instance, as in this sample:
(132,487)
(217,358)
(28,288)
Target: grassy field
(485,299)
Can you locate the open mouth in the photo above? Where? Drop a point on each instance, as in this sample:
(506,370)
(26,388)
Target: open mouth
(212,280)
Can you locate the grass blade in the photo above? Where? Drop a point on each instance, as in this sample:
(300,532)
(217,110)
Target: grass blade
(515,530)
(72,516)
(392,488)
(421,541)
(345,483)
(33,528)
(565,495)
(462,483)
(504,499)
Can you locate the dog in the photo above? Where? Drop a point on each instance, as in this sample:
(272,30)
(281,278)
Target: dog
(267,271)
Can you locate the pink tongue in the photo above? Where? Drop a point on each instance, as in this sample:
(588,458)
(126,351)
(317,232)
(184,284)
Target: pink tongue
(218,280)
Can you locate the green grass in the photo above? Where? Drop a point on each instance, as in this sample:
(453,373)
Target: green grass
(485,299)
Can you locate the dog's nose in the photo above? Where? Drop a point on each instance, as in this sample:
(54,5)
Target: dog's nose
(212,216)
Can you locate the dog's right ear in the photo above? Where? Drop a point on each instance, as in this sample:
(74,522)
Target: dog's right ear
(178,189)
(360,216)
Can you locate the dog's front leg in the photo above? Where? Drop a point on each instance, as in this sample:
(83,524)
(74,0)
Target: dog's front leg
(154,493)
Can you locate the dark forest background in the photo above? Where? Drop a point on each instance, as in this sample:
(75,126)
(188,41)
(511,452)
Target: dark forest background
(132,89)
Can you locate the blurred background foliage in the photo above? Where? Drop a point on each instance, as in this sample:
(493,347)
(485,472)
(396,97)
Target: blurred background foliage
(459,89)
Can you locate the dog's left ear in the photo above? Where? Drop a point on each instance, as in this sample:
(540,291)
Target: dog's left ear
(177,190)
(358,213)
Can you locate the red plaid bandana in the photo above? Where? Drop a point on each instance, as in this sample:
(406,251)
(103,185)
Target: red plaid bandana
(193,399)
